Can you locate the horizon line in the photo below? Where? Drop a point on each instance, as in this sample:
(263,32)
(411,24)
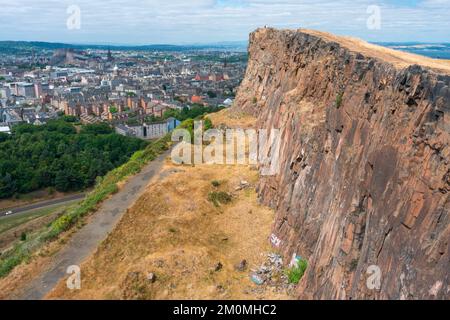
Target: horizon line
(193,44)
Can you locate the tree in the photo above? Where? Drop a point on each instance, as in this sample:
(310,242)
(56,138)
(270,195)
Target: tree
(62,181)
(211,94)
(3,137)
(98,128)
(7,186)
(55,155)
(70,119)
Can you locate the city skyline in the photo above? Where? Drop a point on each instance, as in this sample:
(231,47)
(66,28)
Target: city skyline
(143,22)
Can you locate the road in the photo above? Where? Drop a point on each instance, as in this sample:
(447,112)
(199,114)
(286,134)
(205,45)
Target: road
(43,204)
(85,241)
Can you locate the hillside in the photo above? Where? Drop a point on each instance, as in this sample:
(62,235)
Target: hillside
(188,244)
(27,47)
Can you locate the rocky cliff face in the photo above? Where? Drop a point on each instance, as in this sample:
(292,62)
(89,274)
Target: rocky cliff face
(364,174)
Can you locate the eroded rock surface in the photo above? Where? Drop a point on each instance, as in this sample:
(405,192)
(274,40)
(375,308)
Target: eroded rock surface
(364,173)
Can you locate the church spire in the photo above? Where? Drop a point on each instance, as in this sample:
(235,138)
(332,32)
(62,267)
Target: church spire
(110,57)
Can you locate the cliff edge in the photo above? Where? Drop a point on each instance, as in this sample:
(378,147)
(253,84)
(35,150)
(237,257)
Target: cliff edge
(363,188)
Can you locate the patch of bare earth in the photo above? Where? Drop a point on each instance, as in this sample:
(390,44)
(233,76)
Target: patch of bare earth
(189,245)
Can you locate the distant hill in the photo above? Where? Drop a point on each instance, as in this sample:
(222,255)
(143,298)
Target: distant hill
(432,50)
(28,46)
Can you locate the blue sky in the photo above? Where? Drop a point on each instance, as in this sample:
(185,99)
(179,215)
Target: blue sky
(206,21)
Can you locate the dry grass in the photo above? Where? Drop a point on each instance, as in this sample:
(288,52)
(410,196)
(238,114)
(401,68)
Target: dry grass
(398,58)
(232,119)
(176,233)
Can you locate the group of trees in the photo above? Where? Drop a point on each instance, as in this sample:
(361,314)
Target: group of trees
(195,111)
(60,155)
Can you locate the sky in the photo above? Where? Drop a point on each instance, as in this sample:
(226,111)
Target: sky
(212,21)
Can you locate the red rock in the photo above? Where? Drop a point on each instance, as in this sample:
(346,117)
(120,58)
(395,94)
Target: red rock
(364,167)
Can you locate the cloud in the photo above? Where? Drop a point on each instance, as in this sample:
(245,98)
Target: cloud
(201,21)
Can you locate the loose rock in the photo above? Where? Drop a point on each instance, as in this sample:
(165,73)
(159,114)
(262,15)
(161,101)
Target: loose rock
(241,266)
(151,277)
(218,266)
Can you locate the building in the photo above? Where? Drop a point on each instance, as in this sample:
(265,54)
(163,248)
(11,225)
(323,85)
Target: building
(197,99)
(4,128)
(23,89)
(151,131)
(148,131)
(26,90)
(228,102)
(124,130)
(110,56)
(172,123)
(59,74)
(5,93)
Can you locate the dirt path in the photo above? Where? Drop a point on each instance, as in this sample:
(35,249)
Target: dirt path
(87,239)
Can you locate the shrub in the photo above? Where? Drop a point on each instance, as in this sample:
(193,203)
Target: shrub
(11,262)
(23,236)
(219,197)
(339,100)
(215,183)
(296,273)
(70,119)
(353,264)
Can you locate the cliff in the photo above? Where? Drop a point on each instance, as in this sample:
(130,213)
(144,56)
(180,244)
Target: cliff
(364,165)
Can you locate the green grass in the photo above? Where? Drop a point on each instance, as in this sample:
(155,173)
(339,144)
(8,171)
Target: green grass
(103,189)
(339,100)
(296,273)
(353,264)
